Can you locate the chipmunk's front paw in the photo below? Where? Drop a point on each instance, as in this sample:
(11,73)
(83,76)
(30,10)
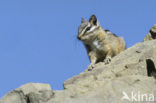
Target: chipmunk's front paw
(107,60)
(90,67)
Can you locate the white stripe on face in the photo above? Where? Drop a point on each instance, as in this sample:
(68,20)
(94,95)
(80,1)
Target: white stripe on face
(92,29)
(83,31)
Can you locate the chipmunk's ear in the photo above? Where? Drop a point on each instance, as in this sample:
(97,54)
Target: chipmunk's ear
(82,20)
(93,20)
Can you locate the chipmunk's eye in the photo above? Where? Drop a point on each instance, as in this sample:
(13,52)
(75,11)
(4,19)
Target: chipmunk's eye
(88,28)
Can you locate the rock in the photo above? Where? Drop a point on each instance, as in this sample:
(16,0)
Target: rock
(130,73)
(34,87)
(133,61)
(29,93)
(110,91)
(151,35)
(14,97)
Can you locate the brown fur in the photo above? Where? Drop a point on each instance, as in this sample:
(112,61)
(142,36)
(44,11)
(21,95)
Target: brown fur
(101,45)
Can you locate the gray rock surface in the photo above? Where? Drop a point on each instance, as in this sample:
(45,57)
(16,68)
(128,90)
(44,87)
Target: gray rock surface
(151,35)
(131,72)
(29,93)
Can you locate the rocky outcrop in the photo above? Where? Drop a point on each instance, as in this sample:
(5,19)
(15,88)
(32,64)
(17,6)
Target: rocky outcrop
(29,93)
(151,35)
(129,78)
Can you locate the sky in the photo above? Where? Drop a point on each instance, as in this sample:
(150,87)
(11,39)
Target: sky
(38,38)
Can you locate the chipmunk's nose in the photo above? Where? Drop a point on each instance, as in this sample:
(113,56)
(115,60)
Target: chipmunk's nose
(78,38)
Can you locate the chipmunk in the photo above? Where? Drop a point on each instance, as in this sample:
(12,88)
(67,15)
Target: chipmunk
(101,45)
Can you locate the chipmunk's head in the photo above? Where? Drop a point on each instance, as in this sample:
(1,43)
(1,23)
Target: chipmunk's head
(88,29)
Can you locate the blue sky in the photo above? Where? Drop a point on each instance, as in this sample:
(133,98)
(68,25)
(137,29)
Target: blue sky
(38,37)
